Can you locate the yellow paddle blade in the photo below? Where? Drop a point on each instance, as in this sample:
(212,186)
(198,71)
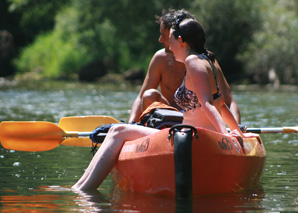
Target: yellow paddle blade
(83,124)
(30,135)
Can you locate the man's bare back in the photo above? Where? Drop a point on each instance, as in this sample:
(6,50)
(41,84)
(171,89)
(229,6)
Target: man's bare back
(164,73)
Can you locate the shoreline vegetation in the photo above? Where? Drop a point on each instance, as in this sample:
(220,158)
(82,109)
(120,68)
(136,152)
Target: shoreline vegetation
(115,79)
(255,41)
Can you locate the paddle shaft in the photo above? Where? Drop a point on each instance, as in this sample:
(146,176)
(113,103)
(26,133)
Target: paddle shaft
(285,130)
(253,130)
(274,130)
(264,130)
(84,134)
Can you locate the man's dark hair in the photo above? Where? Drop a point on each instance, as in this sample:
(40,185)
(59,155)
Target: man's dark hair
(169,16)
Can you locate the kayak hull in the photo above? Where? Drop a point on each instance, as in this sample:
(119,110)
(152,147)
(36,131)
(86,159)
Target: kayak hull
(219,164)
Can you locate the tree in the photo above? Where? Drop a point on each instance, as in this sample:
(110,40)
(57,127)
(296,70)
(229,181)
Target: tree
(24,20)
(120,34)
(229,26)
(272,55)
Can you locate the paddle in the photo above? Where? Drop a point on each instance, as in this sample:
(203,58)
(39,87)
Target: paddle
(284,130)
(32,136)
(293,129)
(83,124)
(43,136)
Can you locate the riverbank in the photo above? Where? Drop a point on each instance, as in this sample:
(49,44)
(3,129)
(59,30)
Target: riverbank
(268,87)
(117,80)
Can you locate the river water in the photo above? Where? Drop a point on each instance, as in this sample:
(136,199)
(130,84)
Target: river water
(41,181)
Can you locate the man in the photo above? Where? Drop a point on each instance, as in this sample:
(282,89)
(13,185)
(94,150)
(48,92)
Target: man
(167,74)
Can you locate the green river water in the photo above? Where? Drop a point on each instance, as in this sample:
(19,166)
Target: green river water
(41,181)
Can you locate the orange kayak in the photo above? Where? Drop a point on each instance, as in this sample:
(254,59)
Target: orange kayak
(187,166)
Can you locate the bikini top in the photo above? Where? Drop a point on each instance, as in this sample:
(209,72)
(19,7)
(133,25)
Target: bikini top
(188,99)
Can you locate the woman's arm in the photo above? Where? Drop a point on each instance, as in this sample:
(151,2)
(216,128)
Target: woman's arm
(230,119)
(226,91)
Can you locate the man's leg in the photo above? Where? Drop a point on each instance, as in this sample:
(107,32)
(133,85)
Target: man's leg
(151,96)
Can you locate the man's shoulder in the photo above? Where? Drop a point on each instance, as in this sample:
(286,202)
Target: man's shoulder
(160,54)
(159,59)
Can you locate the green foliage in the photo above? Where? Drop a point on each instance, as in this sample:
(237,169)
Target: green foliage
(249,37)
(52,56)
(35,16)
(229,26)
(97,37)
(122,33)
(275,46)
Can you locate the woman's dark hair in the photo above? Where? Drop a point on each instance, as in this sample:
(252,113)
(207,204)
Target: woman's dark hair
(169,16)
(192,32)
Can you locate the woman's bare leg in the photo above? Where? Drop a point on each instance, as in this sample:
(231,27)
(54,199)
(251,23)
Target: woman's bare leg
(107,155)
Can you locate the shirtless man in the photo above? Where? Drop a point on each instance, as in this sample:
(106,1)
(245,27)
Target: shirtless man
(167,74)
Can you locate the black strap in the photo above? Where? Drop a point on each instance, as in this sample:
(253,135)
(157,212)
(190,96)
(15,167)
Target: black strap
(218,94)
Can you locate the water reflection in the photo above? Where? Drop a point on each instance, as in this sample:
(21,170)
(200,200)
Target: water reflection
(240,201)
(58,198)
(36,203)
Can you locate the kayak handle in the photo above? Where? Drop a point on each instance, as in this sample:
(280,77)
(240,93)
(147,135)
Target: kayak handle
(180,127)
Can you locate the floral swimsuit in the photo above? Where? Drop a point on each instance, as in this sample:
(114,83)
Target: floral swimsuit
(188,99)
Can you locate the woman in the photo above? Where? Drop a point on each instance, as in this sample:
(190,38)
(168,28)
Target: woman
(202,109)
(200,95)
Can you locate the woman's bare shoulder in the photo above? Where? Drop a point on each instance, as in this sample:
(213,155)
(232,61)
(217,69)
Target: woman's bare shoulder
(194,63)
